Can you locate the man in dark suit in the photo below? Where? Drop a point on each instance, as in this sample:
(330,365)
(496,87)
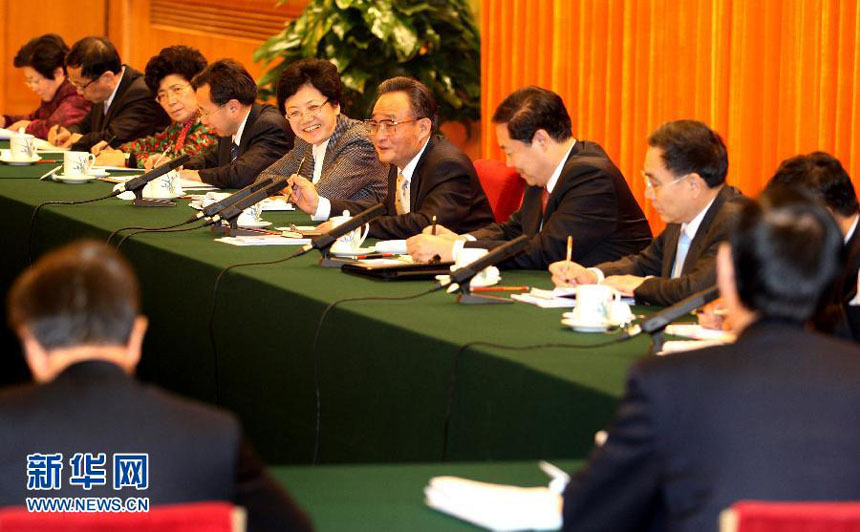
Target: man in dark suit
(428,176)
(770,417)
(823,175)
(685,172)
(123,107)
(252,135)
(76,312)
(574,190)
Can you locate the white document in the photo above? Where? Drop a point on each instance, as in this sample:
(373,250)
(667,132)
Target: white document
(277,204)
(495,506)
(697,332)
(679,346)
(263,240)
(391,246)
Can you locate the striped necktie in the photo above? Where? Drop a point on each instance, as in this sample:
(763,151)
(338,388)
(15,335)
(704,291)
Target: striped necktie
(234,152)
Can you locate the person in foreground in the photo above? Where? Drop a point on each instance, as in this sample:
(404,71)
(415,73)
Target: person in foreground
(428,175)
(251,135)
(123,108)
(685,174)
(331,149)
(76,312)
(770,417)
(574,190)
(42,60)
(168,76)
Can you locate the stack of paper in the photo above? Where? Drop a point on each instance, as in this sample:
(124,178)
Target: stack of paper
(697,332)
(277,203)
(495,506)
(548,298)
(263,240)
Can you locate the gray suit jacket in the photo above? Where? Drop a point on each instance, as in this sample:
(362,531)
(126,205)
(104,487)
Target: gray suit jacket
(351,170)
(699,271)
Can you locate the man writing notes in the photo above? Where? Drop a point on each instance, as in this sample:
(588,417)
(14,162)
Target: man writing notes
(770,417)
(428,176)
(251,135)
(123,108)
(77,314)
(685,173)
(574,190)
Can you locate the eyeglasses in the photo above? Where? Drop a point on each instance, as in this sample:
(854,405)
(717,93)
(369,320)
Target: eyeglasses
(175,90)
(205,114)
(83,87)
(375,126)
(658,186)
(312,111)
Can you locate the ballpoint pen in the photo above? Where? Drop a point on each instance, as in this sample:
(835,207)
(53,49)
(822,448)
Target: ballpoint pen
(434,225)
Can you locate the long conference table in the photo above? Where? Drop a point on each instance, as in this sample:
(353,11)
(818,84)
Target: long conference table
(383,368)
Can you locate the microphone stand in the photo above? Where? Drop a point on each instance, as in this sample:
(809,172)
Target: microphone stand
(140,201)
(467,297)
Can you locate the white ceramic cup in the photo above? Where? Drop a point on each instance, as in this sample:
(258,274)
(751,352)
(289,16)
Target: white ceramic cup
(164,187)
(251,216)
(77,163)
(594,304)
(466,256)
(22,147)
(351,241)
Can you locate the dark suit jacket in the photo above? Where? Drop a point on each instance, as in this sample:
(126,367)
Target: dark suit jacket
(699,270)
(132,114)
(444,184)
(837,316)
(771,417)
(590,202)
(265,139)
(196,453)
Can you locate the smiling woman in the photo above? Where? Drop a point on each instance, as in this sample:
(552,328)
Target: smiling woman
(168,75)
(42,61)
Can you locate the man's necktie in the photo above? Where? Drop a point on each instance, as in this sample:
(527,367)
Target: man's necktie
(234,152)
(400,194)
(544,200)
(681,254)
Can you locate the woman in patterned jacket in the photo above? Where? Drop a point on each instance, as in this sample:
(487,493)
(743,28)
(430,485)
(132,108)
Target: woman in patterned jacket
(331,149)
(168,76)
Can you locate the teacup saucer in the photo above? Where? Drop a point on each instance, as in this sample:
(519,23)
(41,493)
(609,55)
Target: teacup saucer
(579,326)
(255,225)
(353,252)
(73,179)
(6,157)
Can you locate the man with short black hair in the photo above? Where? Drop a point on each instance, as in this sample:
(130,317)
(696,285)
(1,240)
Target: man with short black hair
(574,191)
(76,311)
(252,136)
(823,175)
(770,417)
(685,173)
(428,175)
(123,108)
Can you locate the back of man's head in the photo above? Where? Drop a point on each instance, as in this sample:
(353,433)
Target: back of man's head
(823,175)
(532,108)
(94,56)
(84,293)
(785,253)
(227,80)
(690,146)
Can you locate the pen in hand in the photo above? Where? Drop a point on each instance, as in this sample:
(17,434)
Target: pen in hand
(434,225)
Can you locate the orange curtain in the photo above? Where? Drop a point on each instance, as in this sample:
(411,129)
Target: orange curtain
(774,77)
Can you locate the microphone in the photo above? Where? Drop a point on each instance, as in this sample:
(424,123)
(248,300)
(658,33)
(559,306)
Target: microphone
(495,256)
(659,321)
(322,242)
(214,208)
(235,209)
(139,182)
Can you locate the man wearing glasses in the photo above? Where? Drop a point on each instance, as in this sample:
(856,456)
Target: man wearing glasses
(251,135)
(428,175)
(123,108)
(685,172)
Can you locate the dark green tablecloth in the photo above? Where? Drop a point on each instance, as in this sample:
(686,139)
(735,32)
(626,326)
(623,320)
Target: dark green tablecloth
(391,497)
(384,367)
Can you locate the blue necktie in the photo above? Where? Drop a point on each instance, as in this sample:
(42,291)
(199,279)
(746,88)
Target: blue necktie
(234,152)
(681,254)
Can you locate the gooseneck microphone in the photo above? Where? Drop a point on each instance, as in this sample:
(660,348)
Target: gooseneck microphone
(325,241)
(233,210)
(495,256)
(659,321)
(218,206)
(139,182)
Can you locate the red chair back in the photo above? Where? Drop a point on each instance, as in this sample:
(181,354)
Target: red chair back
(754,516)
(504,187)
(190,517)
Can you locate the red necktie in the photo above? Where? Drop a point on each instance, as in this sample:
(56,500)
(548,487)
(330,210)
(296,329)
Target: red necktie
(544,199)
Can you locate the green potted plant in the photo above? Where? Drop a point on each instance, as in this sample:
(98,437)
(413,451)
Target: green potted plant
(435,41)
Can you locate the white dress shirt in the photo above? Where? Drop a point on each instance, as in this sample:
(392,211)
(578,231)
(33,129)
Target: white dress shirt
(113,94)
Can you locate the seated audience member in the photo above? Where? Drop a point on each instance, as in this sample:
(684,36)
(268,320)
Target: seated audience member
(685,173)
(574,190)
(168,76)
(823,175)
(123,108)
(45,74)
(252,136)
(333,150)
(766,418)
(76,312)
(428,175)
